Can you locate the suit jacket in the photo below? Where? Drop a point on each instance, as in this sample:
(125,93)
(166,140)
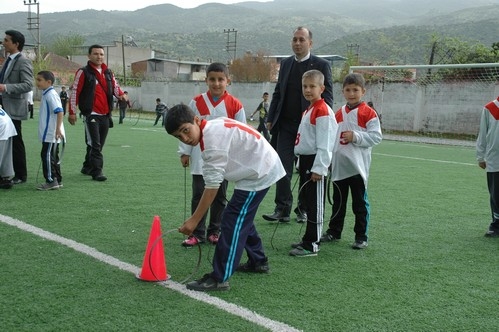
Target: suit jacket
(19,80)
(279,94)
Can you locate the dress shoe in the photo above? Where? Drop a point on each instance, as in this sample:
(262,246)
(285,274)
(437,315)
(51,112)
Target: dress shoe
(276,216)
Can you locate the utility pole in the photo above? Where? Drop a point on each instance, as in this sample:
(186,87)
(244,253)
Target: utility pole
(231,45)
(350,50)
(34,23)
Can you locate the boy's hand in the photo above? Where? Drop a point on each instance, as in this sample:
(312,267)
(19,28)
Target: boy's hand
(315,177)
(188,227)
(482,164)
(184,160)
(72,119)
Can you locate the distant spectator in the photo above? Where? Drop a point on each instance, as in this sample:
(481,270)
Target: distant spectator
(161,110)
(64,98)
(123,104)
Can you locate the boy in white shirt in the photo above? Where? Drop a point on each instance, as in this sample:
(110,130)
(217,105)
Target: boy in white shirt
(359,130)
(231,151)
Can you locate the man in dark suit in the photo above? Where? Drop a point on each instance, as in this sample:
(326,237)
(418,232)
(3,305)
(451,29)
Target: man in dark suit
(16,79)
(285,112)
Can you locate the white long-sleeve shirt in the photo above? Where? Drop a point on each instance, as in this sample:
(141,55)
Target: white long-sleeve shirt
(317,135)
(236,152)
(205,107)
(487,144)
(354,158)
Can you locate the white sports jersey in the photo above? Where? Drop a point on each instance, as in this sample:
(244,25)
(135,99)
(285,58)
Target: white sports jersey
(236,152)
(487,144)
(50,105)
(7,128)
(205,107)
(317,135)
(355,158)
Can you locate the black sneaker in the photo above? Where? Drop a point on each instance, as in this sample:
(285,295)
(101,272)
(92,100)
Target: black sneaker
(276,216)
(296,245)
(359,244)
(101,177)
(492,233)
(17,180)
(207,283)
(6,184)
(328,238)
(262,267)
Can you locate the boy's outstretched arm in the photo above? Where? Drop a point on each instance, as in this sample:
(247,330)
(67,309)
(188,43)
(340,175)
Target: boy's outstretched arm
(191,223)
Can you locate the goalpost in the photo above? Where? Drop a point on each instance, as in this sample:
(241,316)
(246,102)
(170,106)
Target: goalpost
(437,101)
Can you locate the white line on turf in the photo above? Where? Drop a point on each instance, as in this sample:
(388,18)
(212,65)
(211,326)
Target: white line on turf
(424,159)
(211,300)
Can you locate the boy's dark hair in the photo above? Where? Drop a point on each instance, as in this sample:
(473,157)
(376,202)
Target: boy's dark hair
(265,93)
(47,75)
(217,67)
(94,46)
(17,38)
(177,116)
(356,79)
(158,99)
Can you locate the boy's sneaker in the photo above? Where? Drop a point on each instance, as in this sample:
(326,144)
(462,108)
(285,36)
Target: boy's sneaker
(48,186)
(300,252)
(6,184)
(359,244)
(207,283)
(191,241)
(261,267)
(492,233)
(328,238)
(213,238)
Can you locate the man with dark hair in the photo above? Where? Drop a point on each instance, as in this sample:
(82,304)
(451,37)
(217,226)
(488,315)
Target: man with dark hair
(16,80)
(286,108)
(93,89)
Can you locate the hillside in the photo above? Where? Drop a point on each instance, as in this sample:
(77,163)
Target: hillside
(386,30)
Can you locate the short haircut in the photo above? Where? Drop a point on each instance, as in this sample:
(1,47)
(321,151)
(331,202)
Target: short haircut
(17,38)
(304,29)
(217,67)
(356,79)
(177,116)
(94,46)
(265,93)
(47,75)
(315,75)
(158,99)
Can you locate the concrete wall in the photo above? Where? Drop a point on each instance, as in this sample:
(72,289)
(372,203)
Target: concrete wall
(439,108)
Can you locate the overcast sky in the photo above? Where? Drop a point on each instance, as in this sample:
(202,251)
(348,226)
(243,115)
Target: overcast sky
(52,6)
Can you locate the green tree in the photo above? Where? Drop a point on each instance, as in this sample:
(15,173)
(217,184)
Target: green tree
(66,45)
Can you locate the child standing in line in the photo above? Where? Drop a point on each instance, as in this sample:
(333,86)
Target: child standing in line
(50,130)
(360,130)
(7,131)
(263,109)
(487,147)
(231,151)
(314,145)
(214,103)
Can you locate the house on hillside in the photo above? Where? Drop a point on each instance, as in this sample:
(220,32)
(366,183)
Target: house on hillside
(64,69)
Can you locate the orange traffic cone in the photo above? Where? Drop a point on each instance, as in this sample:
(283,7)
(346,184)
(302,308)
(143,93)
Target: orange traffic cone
(154,265)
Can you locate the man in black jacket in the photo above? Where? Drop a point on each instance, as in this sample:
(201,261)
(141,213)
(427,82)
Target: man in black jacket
(285,112)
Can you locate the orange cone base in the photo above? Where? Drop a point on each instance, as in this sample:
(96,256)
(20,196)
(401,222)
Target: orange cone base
(138,276)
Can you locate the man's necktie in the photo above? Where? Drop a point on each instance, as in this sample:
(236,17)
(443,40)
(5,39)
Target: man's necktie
(4,69)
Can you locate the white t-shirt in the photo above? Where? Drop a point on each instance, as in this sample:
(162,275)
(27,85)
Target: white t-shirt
(234,151)
(50,105)
(7,128)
